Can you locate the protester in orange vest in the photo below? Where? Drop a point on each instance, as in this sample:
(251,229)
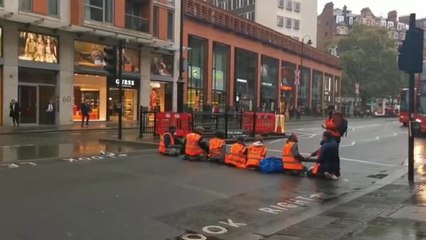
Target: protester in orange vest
(168,142)
(333,122)
(238,154)
(195,147)
(255,153)
(217,148)
(292,160)
(328,156)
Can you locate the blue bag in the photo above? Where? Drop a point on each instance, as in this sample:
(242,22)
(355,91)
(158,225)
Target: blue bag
(271,165)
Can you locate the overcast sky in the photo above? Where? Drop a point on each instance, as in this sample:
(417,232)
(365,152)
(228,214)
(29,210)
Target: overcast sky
(380,7)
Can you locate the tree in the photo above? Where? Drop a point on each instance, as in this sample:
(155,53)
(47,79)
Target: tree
(369,58)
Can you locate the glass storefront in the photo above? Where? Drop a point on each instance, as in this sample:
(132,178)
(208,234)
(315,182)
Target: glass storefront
(36,89)
(94,89)
(287,83)
(196,76)
(303,99)
(317,93)
(220,74)
(130,99)
(161,96)
(268,93)
(245,80)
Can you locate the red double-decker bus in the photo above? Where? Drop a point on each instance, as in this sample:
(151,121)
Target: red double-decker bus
(419,101)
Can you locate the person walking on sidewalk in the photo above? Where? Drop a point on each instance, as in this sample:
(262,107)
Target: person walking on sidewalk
(85,111)
(50,111)
(15,111)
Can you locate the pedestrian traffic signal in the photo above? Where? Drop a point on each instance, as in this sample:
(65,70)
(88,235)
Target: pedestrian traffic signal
(410,58)
(110,59)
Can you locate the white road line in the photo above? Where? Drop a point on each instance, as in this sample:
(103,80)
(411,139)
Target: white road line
(350,160)
(278,140)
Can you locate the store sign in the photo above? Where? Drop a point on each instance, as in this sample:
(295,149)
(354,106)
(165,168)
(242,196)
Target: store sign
(162,64)
(125,82)
(38,47)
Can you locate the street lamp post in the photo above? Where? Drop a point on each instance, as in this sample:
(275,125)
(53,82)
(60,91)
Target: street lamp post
(300,71)
(180,83)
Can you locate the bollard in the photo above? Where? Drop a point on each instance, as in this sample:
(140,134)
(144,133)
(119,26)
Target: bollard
(226,122)
(254,123)
(141,117)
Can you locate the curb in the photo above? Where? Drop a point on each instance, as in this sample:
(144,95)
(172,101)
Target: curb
(63,130)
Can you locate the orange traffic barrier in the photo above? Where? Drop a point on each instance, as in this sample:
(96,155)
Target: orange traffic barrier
(182,122)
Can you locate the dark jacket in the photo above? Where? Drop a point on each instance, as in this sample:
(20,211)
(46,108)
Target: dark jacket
(329,156)
(85,108)
(14,111)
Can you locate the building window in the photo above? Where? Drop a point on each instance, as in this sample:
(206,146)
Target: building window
(280,21)
(296,24)
(340,19)
(351,20)
(250,16)
(288,22)
(1,3)
(53,7)
(99,10)
(297,6)
(289,5)
(170,25)
(25,5)
(156,15)
(245,79)
(196,77)
(281,3)
(390,24)
(269,84)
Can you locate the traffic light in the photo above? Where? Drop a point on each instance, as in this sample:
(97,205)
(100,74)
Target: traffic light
(410,58)
(110,60)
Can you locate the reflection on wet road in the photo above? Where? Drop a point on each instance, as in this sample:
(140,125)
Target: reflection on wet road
(57,145)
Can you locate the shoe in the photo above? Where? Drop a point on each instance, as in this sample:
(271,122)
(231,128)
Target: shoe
(328,175)
(334,177)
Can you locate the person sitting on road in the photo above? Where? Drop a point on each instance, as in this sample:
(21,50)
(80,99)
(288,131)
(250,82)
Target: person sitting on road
(333,122)
(217,148)
(328,157)
(195,147)
(292,159)
(167,143)
(255,153)
(237,154)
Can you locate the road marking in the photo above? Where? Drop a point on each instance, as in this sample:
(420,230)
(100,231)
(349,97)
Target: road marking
(278,140)
(213,230)
(350,160)
(291,203)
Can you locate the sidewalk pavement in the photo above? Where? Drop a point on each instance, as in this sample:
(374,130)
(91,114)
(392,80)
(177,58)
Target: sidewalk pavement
(393,211)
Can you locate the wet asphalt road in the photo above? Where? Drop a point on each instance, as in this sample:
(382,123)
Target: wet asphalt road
(152,197)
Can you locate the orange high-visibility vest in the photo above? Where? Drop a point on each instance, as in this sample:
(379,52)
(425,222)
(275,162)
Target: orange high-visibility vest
(315,168)
(191,147)
(215,148)
(162,148)
(237,155)
(254,155)
(289,161)
(330,126)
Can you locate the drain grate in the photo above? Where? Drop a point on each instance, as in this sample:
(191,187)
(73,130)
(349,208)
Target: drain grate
(378,176)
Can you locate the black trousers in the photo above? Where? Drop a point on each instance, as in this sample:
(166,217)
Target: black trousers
(85,116)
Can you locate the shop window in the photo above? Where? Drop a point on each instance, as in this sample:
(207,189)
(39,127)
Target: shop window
(25,5)
(170,25)
(38,47)
(130,99)
(220,74)
(317,93)
(196,63)
(269,84)
(53,7)
(99,10)
(162,64)
(245,82)
(304,88)
(94,89)
(161,96)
